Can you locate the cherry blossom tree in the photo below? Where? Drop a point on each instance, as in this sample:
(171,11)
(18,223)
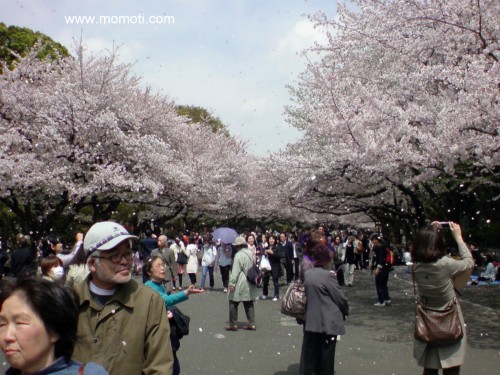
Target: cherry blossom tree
(401,102)
(399,112)
(81,135)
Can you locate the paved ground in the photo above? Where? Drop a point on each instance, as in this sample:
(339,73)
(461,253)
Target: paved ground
(378,339)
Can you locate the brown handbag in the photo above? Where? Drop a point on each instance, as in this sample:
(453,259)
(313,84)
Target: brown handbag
(437,326)
(294,302)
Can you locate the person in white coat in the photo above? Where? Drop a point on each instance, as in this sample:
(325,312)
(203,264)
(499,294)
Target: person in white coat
(192,264)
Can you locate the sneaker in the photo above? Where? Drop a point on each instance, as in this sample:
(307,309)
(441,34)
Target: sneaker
(275,299)
(378,304)
(263,297)
(225,290)
(173,288)
(387,302)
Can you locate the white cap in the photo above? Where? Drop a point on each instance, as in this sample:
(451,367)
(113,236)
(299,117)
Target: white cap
(105,236)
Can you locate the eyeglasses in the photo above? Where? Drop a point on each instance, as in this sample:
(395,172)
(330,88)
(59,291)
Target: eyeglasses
(118,257)
(160,266)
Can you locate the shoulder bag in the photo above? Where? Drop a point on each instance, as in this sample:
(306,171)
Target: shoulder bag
(253,274)
(294,302)
(182,258)
(437,326)
(179,324)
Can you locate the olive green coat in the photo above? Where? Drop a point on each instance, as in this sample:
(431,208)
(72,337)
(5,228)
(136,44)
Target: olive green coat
(129,335)
(243,291)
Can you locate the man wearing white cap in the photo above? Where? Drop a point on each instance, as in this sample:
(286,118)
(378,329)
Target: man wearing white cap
(123,325)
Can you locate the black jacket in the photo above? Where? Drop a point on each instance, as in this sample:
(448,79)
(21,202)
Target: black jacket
(23,262)
(285,250)
(380,253)
(350,257)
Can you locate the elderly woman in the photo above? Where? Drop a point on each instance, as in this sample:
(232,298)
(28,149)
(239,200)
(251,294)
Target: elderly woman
(38,324)
(240,290)
(307,262)
(154,269)
(434,272)
(327,308)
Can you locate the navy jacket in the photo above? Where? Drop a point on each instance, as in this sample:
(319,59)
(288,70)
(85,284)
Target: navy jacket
(147,246)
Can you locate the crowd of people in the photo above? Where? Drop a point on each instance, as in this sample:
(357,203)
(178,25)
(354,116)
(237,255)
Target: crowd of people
(95,275)
(284,252)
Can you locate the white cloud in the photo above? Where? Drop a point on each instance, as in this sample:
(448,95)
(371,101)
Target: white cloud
(302,35)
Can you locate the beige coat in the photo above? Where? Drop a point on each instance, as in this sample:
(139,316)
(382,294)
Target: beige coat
(76,274)
(435,287)
(129,335)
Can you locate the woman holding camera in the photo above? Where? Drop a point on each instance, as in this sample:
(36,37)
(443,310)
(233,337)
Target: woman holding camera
(434,273)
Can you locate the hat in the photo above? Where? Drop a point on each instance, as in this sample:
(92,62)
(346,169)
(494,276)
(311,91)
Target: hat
(239,241)
(105,236)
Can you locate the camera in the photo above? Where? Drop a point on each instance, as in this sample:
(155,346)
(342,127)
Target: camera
(444,224)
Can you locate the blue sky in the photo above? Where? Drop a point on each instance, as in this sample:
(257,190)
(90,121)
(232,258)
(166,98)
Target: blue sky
(233,57)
